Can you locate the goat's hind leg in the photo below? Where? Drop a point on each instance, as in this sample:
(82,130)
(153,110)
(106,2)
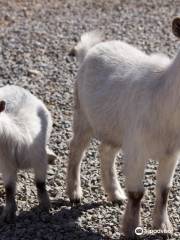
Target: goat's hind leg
(164,182)
(40,170)
(9,210)
(135,191)
(78,144)
(108,172)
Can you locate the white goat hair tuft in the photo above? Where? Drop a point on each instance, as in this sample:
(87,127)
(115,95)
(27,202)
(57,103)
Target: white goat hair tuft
(87,41)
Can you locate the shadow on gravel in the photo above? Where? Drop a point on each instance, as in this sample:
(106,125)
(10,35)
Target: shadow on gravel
(63,223)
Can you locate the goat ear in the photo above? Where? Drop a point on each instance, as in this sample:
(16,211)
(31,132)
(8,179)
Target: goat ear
(2,105)
(176,26)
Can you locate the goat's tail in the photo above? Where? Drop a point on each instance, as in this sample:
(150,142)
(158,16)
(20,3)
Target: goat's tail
(88,40)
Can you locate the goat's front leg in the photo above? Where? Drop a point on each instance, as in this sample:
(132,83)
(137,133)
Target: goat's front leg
(135,192)
(9,210)
(164,182)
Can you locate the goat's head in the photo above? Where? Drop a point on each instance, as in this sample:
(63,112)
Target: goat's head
(2,105)
(176,26)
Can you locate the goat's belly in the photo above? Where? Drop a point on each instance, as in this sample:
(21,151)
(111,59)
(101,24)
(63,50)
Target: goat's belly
(23,164)
(106,138)
(106,132)
(12,159)
(21,158)
(27,156)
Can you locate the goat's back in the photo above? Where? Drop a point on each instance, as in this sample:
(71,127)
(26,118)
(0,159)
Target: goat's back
(25,125)
(115,81)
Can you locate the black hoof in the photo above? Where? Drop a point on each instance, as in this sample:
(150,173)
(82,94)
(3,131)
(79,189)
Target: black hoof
(7,217)
(75,201)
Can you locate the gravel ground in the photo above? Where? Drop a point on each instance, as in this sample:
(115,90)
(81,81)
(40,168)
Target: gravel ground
(35,38)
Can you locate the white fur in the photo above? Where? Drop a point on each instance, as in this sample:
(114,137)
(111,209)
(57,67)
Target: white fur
(130,100)
(25,127)
(88,40)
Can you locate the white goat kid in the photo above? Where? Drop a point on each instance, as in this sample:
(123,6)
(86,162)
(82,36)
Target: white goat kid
(25,127)
(127,100)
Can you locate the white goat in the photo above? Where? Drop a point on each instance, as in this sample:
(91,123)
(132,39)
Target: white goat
(127,100)
(25,127)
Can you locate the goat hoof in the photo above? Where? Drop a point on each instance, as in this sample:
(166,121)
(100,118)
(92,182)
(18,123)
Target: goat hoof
(165,226)
(75,195)
(117,197)
(45,204)
(131,223)
(45,207)
(7,216)
(75,201)
(130,233)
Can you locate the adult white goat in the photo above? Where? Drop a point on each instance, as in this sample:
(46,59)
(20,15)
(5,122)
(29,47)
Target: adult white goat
(25,127)
(127,100)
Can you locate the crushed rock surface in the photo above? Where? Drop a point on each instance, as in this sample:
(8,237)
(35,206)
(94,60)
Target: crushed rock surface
(35,39)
